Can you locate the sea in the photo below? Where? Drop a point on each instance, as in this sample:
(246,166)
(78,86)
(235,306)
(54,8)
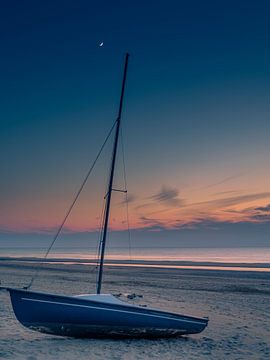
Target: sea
(243,255)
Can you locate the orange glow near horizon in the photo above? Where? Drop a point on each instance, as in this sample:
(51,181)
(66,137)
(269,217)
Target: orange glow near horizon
(163,208)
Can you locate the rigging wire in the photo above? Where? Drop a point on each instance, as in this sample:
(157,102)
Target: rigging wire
(98,254)
(72,205)
(126,194)
(98,247)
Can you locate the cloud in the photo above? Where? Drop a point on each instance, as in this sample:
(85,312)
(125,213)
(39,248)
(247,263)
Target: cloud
(261,217)
(233,200)
(229,178)
(208,213)
(168,196)
(226,192)
(263,208)
(152,223)
(130,198)
(201,222)
(258,214)
(180,214)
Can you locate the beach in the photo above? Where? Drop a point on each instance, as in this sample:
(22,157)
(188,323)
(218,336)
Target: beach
(236,302)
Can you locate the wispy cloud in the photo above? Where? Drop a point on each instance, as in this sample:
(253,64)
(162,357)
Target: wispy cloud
(130,199)
(251,214)
(207,213)
(233,200)
(259,214)
(168,196)
(263,208)
(151,222)
(223,181)
(221,193)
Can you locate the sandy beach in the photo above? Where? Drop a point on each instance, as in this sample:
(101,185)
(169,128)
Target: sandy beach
(236,302)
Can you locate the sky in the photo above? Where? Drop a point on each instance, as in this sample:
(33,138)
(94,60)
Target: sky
(195,120)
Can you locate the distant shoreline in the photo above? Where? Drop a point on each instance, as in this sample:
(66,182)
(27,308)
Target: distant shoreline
(261,267)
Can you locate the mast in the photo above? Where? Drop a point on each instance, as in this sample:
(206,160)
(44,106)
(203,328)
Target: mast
(110,185)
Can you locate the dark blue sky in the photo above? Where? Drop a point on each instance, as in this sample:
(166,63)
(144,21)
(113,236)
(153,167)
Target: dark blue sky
(196,113)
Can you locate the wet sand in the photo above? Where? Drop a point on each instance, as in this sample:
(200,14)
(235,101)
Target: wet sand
(236,302)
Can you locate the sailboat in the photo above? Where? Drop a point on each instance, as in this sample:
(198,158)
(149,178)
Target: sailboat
(99,315)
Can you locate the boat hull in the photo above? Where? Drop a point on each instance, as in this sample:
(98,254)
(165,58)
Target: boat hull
(78,317)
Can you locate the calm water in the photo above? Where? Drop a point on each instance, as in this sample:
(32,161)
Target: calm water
(224,255)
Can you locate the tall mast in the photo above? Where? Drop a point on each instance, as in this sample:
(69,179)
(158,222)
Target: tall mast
(110,185)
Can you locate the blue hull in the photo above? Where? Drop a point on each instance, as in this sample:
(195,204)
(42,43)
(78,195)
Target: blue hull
(76,317)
